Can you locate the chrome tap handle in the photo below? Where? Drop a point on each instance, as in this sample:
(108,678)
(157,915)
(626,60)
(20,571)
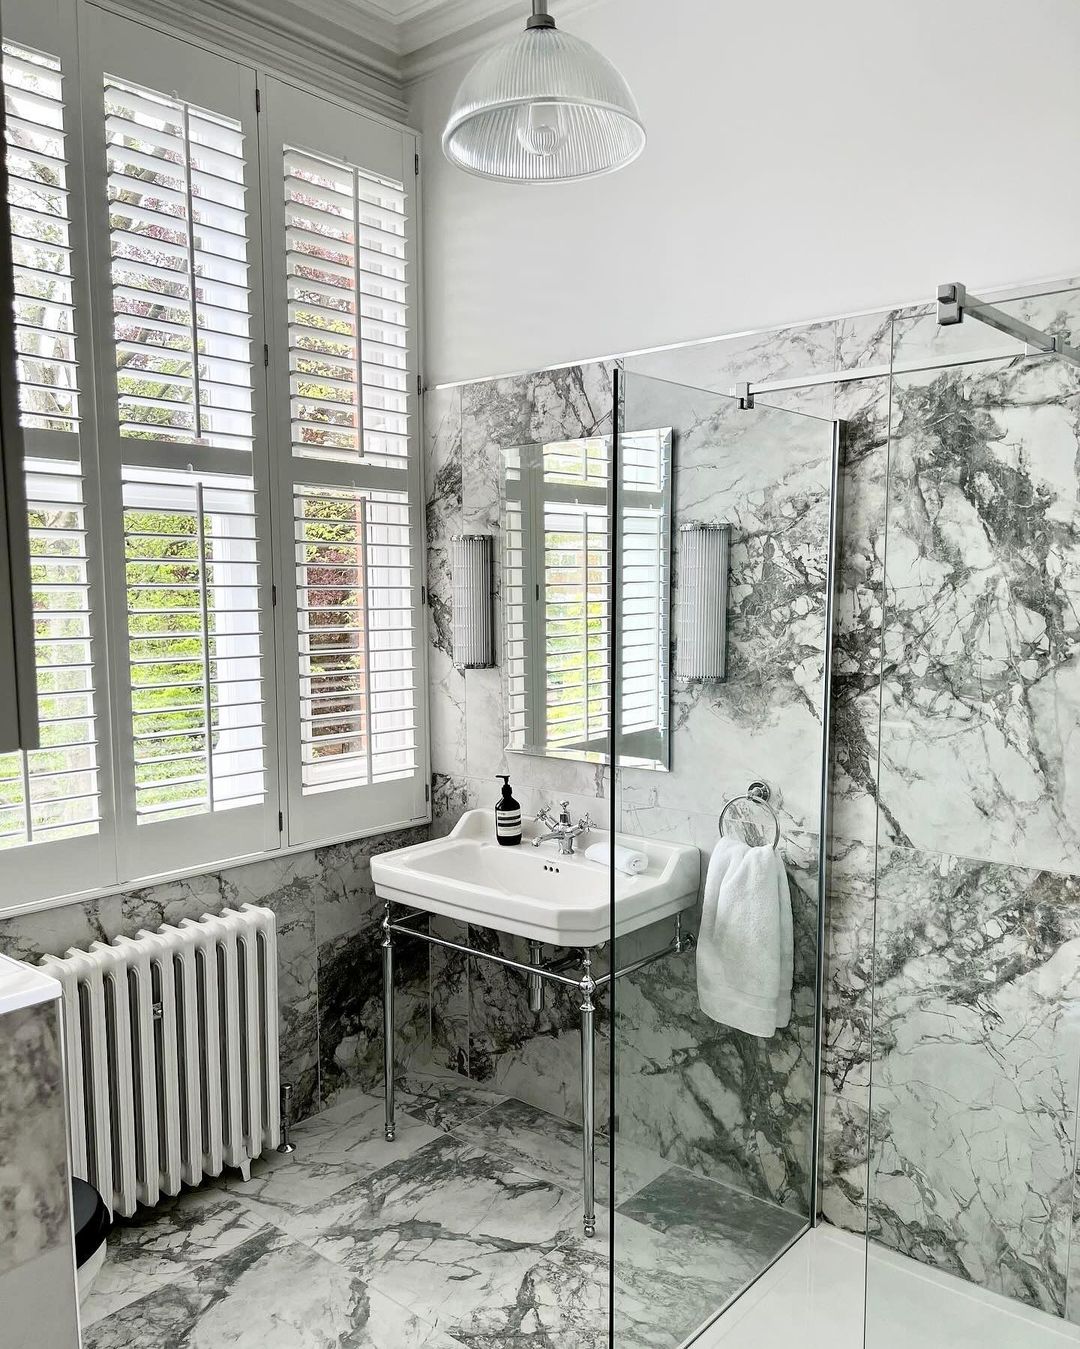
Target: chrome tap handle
(585,823)
(543,815)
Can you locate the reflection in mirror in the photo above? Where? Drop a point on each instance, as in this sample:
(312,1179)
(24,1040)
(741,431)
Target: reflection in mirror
(556,521)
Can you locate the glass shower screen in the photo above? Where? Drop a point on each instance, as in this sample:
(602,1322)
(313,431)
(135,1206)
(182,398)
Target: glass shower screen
(712,1164)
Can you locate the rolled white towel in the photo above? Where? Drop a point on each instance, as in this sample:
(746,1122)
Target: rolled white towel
(626,859)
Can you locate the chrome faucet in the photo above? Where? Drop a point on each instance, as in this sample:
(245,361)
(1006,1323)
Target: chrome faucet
(563,830)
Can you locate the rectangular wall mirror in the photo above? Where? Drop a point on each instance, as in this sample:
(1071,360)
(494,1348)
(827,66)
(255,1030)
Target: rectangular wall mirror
(557,544)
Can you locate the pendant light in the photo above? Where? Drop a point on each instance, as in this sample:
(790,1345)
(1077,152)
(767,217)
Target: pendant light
(544,107)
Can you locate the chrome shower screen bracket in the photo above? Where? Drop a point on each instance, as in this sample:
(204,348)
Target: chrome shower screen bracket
(955,303)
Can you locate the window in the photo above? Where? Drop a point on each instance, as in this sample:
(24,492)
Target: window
(149,452)
(341,254)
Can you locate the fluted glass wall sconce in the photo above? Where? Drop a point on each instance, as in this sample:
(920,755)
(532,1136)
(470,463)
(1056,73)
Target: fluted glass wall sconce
(474,622)
(701,600)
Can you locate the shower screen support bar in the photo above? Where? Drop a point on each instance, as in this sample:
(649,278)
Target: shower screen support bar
(588,986)
(955,303)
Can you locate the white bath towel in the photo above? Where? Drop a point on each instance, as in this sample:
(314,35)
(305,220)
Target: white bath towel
(745,950)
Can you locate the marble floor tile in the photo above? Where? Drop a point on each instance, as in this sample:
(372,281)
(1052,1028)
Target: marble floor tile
(546,1145)
(148,1251)
(443,1099)
(712,1224)
(663,1289)
(352,1131)
(431,1242)
(268,1293)
(447,1231)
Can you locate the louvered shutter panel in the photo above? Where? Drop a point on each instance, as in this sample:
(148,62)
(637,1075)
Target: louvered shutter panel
(358,684)
(175,230)
(576,624)
(51,795)
(52,792)
(343,365)
(180,289)
(195,645)
(345,257)
(41,240)
(643,575)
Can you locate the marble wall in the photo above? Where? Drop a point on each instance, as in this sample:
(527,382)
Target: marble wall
(329,961)
(37,1262)
(952,1051)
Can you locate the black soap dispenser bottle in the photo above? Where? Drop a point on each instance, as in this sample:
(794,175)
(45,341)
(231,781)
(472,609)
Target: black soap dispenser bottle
(507,815)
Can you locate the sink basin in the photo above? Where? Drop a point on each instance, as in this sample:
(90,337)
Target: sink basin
(536,892)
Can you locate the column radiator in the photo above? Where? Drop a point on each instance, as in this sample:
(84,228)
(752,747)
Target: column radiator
(171,1042)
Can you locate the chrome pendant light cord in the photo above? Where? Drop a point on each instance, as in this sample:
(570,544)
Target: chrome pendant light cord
(540,18)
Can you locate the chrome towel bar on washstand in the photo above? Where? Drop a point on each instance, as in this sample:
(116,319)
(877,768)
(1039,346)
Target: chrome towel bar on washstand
(760,794)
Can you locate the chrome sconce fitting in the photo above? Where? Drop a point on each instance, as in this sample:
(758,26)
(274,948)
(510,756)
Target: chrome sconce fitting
(701,601)
(472,558)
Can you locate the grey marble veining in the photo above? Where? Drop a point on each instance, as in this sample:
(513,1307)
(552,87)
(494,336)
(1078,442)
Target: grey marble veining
(975,1063)
(38,1298)
(734,1107)
(33,1139)
(982,636)
(236,1301)
(433,1244)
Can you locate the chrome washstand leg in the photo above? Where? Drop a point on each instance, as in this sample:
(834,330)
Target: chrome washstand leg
(588,1094)
(388,1021)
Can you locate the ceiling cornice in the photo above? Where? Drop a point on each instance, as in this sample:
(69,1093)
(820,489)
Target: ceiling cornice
(330,55)
(365,52)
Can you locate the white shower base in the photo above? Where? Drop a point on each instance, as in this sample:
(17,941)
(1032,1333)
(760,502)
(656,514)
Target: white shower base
(815,1295)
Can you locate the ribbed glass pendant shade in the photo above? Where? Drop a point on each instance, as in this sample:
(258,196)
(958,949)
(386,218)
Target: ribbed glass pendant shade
(544,107)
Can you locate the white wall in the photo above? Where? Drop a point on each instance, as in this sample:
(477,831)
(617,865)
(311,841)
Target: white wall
(803,160)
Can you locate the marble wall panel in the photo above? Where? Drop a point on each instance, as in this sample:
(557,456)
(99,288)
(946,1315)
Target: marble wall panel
(982,636)
(976,1051)
(732,1106)
(37,1263)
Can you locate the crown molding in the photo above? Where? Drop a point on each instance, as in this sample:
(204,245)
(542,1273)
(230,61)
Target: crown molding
(330,55)
(365,52)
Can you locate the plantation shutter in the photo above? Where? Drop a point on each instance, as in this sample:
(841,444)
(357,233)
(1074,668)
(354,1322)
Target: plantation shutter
(54,823)
(178,257)
(643,580)
(576,625)
(341,251)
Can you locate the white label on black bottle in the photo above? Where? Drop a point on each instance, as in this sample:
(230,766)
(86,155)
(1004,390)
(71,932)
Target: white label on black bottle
(507,823)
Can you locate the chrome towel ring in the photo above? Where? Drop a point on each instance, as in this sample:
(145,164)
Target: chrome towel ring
(760,793)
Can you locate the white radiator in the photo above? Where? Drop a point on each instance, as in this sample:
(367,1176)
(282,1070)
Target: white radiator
(172,1054)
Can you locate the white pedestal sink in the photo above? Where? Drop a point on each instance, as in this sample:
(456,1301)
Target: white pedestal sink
(548,898)
(537,893)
